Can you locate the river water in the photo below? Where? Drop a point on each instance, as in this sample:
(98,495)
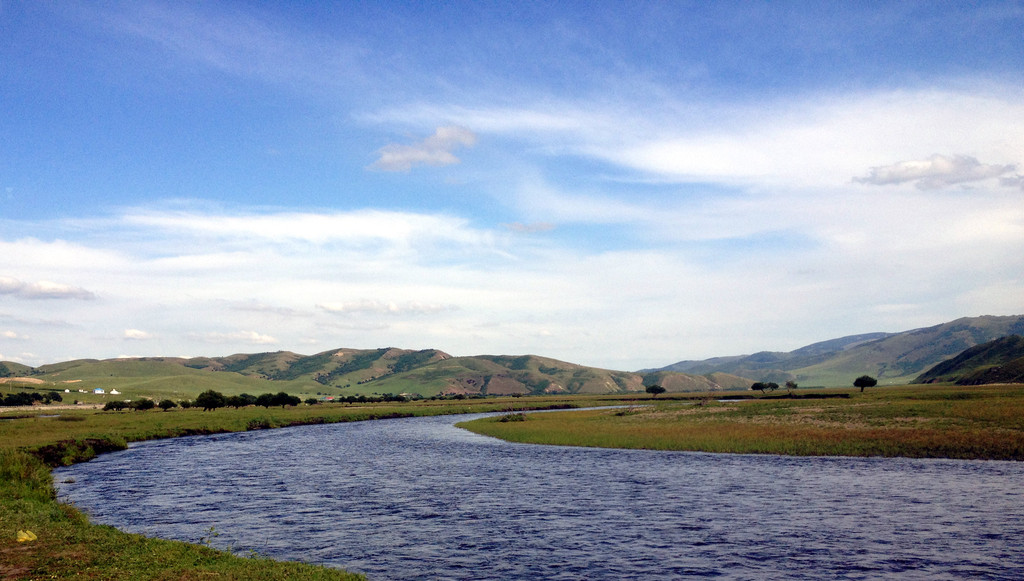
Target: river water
(420,499)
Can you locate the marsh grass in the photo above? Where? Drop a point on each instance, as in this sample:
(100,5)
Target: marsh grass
(68,546)
(984,422)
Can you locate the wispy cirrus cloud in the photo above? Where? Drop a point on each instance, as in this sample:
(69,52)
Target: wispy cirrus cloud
(936,172)
(42,290)
(435,150)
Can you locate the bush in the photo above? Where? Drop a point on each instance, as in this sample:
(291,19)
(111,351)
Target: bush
(115,405)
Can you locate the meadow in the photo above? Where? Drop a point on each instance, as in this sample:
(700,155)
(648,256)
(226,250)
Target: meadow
(978,422)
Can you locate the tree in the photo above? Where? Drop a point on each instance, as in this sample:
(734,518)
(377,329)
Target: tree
(143,404)
(266,400)
(210,400)
(655,390)
(236,401)
(283,399)
(791,385)
(312,401)
(759,386)
(115,405)
(166,404)
(865,381)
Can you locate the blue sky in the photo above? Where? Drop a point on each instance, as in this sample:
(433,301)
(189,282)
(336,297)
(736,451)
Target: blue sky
(617,184)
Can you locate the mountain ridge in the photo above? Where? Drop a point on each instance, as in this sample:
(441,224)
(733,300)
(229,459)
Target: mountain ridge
(890,357)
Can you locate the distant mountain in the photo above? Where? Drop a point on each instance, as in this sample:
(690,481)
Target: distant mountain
(999,361)
(890,357)
(357,372)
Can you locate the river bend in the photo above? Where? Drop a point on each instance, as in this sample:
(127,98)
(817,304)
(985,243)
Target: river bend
(417,498)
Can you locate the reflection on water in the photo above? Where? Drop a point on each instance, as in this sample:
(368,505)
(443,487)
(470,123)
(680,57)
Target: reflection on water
(419,498)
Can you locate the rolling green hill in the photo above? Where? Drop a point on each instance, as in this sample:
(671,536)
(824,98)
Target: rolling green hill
(999,361)
(343,372)
(891,357)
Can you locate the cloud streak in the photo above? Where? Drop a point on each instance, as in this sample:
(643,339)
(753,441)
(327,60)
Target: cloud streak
(936,172)
(42,290)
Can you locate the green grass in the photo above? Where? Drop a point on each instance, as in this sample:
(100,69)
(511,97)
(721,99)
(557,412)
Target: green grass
(985,422)
(68,546)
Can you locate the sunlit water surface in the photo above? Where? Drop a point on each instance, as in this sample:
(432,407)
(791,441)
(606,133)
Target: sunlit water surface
(421,499)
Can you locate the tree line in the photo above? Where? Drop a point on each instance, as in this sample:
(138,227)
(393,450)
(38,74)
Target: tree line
(26,398)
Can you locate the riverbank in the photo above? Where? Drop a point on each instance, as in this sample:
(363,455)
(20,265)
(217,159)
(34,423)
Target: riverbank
(978,422)
(67,545)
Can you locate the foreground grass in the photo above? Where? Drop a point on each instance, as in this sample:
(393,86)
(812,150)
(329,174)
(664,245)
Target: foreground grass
(68,546)
(983,422)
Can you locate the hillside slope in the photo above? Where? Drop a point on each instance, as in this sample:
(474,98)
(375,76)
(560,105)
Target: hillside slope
(999,361)
(890,357)
(344,372)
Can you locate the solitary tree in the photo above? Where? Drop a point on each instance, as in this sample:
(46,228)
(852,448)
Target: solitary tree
(791,385)
(655,390)
(865,381)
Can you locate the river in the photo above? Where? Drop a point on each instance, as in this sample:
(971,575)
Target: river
(418,498)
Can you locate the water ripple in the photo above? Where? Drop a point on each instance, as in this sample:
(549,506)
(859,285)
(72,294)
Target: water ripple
(418,498)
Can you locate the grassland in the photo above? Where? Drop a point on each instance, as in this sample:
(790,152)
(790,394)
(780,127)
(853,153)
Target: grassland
(985,422)
(68,546)
(982,422)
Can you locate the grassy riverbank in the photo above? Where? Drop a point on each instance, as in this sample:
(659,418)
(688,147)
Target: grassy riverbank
(982,422)
(68,546)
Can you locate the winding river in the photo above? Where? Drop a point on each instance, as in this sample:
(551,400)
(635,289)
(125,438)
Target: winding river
(419,498)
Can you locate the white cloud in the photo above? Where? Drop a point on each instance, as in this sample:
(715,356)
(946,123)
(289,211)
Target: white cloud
(137,335)
(813,140)
(12,335)
(358,227)
(935,172)
(823,140)
(42,290)
(435,150)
